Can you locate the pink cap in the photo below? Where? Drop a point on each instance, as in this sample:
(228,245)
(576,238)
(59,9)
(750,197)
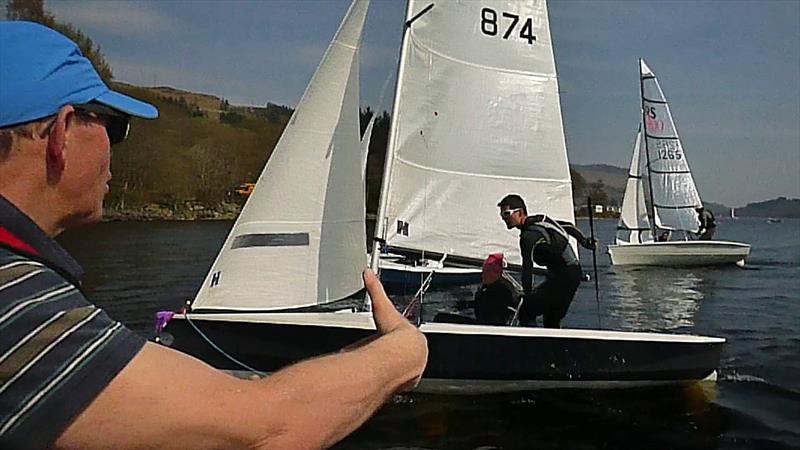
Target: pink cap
(493,263)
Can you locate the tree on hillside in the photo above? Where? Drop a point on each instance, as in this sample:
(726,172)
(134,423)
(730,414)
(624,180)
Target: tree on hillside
(578,185)
(598,193)
(33,11)
(210,166)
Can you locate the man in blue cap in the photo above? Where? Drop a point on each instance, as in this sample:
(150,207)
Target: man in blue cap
(70,376)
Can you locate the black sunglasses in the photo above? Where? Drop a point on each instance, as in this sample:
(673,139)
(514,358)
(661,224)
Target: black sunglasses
(117,124)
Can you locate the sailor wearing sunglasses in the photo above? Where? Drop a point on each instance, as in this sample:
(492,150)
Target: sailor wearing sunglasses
(72,377)
(545,241)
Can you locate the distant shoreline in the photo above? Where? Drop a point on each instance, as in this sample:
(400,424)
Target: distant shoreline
(189,211)
(192,211)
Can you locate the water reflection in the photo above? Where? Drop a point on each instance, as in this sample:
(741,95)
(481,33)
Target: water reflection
(655,298)
(673,417)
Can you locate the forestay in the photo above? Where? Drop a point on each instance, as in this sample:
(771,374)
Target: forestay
(300,239)
(674,194)
(476,117)
(634,225)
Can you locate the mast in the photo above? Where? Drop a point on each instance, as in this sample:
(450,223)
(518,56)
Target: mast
(647,152)
(380,226)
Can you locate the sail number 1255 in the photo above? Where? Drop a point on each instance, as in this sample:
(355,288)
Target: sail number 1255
(491,25)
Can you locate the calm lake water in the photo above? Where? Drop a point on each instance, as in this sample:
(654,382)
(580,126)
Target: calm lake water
(136,269)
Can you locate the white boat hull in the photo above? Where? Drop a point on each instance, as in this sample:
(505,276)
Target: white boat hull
(679,253)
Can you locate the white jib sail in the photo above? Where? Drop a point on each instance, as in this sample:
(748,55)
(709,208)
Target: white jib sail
(477,116)
(634,226)
(300,239)
(674,195)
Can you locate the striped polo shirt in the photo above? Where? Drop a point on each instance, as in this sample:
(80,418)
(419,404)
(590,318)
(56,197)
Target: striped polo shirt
(57,350)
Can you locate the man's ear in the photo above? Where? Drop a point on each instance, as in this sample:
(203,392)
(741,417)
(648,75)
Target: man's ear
(57,144)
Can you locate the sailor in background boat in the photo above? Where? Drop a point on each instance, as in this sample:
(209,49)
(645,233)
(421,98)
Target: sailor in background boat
(545,241)
(496,298)
(707,224)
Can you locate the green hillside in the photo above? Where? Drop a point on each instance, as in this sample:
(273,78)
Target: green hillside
(779,207)
(195,152)
(186,163)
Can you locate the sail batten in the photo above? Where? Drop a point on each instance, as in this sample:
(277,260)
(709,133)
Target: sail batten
(476,117)
(306,213)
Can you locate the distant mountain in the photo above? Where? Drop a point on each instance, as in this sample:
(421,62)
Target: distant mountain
(613,179)
(779,207)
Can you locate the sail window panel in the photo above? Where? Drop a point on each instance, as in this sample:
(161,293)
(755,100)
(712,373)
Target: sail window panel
(684,219)
(275,277)
(270,240)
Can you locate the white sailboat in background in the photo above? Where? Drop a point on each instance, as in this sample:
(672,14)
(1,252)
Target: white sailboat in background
(644,233)
(291,251)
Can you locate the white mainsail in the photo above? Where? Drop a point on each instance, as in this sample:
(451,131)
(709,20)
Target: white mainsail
(300,239)
(476,117)
(634,225)
(674,194)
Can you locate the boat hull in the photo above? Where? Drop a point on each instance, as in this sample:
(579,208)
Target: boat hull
(463,359)
(679,253)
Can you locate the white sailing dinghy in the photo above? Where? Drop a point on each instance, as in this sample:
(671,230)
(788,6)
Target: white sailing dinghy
(660,162)
(260,302)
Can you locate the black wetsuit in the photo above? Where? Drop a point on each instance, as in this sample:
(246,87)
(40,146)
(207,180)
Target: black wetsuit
(492,302)
(545,242)
(707,225)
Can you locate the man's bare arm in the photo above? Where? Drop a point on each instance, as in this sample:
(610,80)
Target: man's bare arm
(165,399)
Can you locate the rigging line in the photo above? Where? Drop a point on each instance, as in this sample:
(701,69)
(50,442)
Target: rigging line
(643,130)
(222,352)
(420,14)
(594,261)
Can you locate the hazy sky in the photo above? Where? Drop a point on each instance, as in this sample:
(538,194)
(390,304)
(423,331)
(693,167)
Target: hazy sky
(730,70)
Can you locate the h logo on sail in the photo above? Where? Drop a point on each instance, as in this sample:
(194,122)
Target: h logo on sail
(402,227)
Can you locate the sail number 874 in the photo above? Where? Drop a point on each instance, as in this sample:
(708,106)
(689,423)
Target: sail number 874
(491,25)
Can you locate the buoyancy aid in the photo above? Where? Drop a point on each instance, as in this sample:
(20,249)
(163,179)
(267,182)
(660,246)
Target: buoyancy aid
(555,252)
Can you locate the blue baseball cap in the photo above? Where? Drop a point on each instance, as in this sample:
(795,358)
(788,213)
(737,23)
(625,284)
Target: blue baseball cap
(41,70)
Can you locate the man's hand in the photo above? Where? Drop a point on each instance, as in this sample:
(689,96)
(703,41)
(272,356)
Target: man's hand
(411,343)
(591,244)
